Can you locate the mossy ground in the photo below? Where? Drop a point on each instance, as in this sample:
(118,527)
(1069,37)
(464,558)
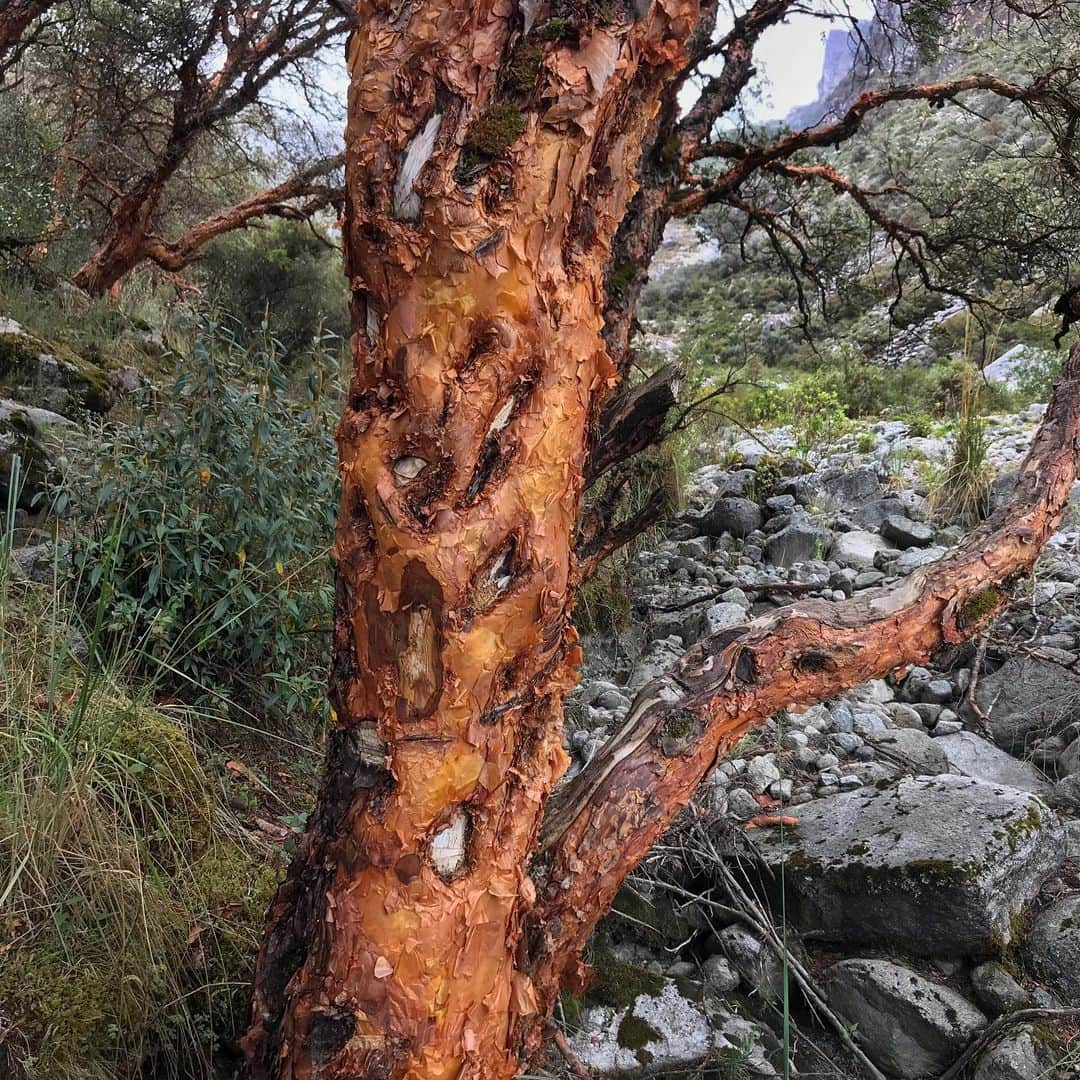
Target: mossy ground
(133,899)
(87,381)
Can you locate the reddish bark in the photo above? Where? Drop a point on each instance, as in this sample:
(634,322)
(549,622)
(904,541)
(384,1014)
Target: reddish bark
(296,199)
(394,945)
(486,173)
(128,241)
(15,17)
(237,53)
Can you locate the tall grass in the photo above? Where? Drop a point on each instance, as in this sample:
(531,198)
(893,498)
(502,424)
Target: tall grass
(963,493)
(127,893)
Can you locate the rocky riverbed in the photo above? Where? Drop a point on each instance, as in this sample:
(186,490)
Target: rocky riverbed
(931,884)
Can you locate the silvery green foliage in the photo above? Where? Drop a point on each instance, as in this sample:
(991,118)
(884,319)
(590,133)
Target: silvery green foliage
(206,523)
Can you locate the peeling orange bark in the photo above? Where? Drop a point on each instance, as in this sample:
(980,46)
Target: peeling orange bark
(487,170)
(394,948)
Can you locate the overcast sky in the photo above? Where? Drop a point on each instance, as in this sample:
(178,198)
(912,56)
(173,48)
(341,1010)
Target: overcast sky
(789,56)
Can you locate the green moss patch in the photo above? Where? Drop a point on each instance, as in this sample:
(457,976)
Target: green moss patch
(618,984)
(523,68)
(636,1034)
(86,381)
(493,132)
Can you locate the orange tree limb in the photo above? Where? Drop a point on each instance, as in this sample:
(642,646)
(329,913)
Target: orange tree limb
(604,821)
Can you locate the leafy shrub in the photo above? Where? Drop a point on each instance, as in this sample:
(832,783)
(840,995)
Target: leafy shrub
(919,424)
(205,524)
(816,416)
(1036,375)
(287,268)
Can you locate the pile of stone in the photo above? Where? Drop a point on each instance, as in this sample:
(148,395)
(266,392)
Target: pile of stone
(932,874)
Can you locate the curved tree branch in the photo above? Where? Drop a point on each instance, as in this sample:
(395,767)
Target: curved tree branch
(605,820)
(749,159)
(279,201)
(15,17)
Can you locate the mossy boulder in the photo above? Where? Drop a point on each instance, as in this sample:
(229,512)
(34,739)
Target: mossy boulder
(52,375)
(1051,950)
(933,866)
(656,1034)
(24,434)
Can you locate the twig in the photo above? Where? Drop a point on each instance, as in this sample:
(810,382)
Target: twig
(558,1037)
(795,966)
(793,588)
(982,720)
(748,913)
(997,1028)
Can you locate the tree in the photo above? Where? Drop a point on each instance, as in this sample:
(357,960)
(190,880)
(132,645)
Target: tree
(500,163)
(15,17)
(163,111)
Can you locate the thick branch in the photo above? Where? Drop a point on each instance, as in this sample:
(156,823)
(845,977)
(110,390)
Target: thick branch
(634,420)
(749,159)
(605,820)
(279,201)
(16,16)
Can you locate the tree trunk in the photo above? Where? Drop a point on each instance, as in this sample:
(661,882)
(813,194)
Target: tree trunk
(16,16)
(394,947)
(488,165)
(123,245)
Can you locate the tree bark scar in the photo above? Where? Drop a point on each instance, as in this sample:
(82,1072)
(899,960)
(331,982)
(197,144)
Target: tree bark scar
(409,640)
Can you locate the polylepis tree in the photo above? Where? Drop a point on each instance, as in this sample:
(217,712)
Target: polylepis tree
(492,151)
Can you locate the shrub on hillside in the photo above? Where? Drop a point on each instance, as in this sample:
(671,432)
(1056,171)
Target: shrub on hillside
(286,268)
(203,528)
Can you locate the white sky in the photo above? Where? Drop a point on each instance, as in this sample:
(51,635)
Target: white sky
(789,58)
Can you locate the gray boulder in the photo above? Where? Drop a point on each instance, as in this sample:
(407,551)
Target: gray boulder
(1023,1054)
(798,542)
(667,1034)
(25,434)
(718,482)
(1027,698)
(997,991)
(1069,759)
(911,747)
(656,1032)
(849,487)
(936,866)
(757,964)
(871,514)
(971,755)
(1051,950)
(1066,794)
(856,549)
(909,1026)
(734,514)
(915,558)
(654,661)
(904,533)
(722,615)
